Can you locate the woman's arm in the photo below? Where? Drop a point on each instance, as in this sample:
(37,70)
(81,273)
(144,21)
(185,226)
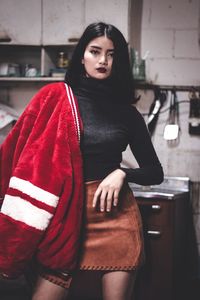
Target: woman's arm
(150,170)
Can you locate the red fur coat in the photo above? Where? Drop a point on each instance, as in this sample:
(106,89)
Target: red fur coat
(41,184)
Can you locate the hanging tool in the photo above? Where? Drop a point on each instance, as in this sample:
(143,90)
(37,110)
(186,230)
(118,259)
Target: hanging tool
(171,130)
(159,99)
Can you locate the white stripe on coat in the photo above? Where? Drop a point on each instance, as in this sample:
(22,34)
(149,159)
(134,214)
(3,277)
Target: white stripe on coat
(74,110)
(21,210)
(33,191)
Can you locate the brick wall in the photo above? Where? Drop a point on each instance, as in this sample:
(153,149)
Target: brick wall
(170,30)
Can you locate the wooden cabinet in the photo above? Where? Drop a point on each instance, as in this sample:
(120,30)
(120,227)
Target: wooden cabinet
(17,90)
(62,21)
(39,30)
(43,58)
(42,22)
(165,221)
(21,20)
(114,12)
(55,22)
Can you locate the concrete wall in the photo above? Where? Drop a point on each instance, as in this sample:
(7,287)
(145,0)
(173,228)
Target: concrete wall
(170,31)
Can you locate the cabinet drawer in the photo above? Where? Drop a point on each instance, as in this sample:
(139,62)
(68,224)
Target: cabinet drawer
(154,281)
(156,212)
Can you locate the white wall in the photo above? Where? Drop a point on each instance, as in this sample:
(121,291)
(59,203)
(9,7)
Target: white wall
(171,32)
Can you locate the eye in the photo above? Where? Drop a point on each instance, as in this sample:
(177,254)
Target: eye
(111,54)
(94,52)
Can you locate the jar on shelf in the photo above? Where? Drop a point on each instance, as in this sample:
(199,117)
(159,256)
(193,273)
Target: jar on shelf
(63,62)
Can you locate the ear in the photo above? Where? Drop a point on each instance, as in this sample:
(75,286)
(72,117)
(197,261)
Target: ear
(82,61)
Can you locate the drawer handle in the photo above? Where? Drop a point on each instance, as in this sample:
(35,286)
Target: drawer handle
(155,207)
(154,232)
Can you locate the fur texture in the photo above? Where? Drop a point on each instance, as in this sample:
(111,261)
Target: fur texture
(42,185)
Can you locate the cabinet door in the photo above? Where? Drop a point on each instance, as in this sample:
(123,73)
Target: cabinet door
(21,20)
(113,11)
(155,278)
(62,20)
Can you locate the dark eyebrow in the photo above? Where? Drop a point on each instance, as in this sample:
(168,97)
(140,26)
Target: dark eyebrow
(99,48)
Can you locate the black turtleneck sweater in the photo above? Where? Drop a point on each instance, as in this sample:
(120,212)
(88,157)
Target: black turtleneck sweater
(109,126)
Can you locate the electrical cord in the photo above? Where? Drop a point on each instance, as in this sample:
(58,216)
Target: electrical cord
(168,108)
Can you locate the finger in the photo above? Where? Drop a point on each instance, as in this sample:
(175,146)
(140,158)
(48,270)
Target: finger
(116,197)
(109,200)
(103,200)
(96,197)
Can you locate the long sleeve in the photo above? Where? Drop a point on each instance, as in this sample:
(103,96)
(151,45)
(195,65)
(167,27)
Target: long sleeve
(36,180)
(150,170)
(29,202)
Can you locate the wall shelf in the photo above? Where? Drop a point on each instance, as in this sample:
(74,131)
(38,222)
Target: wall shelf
(30,79)
(43,58)
(151,86)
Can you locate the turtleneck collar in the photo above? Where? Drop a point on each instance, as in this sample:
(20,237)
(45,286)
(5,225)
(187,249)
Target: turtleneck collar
(98,90)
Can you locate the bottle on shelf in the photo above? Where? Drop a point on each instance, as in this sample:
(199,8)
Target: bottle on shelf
(138,66)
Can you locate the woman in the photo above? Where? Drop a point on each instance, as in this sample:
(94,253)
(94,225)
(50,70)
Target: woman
(101,79)
(111,242)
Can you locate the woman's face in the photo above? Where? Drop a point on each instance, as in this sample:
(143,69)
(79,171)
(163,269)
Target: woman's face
(98,58)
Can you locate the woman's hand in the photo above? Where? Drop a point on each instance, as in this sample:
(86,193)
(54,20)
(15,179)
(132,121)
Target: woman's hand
(107,193)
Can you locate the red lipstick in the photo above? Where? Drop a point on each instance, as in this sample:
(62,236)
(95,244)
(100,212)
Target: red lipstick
(101,70)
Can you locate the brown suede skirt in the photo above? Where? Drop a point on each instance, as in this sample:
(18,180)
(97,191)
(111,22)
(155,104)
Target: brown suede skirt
(111,240)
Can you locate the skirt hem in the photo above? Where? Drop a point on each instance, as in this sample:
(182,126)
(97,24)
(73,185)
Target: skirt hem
(106,268)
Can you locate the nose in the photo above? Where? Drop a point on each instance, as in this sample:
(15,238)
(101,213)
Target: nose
(103,59)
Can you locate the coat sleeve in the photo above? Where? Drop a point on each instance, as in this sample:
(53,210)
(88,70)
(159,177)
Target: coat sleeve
(31,181)
(11,230)
(11,149)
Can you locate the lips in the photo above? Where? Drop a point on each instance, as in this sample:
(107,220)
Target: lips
(101,70)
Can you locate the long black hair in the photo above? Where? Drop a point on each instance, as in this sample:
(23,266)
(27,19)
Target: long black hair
(121,68)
